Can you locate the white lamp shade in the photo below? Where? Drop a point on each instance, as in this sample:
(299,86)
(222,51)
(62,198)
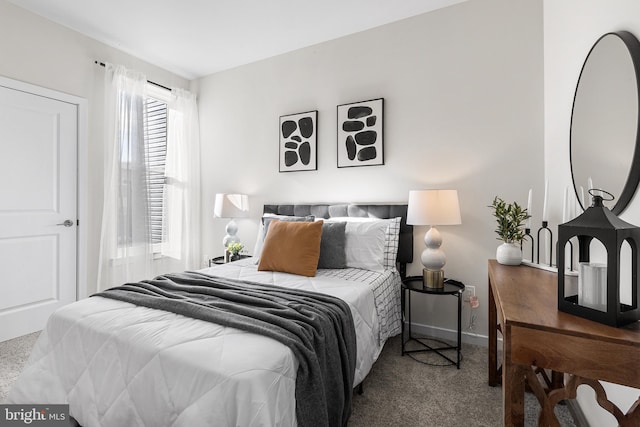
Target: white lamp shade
(231,206)
(433,207)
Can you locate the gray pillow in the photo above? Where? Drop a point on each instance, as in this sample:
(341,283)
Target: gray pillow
(266,220)
(332,254)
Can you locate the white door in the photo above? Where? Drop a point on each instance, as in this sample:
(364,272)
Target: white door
(38,192)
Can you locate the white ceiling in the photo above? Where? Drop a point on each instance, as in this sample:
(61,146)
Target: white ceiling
(194,38)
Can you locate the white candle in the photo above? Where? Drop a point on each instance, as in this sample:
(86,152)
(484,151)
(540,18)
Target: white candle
(565,201)
(528,223)
(590,184)
(584,207)
(545,212)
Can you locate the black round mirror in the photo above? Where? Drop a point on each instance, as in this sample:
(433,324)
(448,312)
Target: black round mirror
(604,136)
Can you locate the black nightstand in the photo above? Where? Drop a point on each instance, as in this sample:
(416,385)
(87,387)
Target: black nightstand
(451,287)
(220,259)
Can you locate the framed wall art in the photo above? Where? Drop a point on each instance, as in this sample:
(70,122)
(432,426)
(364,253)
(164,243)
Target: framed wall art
(360,133)
(298,142)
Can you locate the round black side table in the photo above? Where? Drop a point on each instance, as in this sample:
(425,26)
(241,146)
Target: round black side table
(451,287)
(220,259)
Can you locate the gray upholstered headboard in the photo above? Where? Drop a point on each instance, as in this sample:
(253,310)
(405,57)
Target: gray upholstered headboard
(405,246)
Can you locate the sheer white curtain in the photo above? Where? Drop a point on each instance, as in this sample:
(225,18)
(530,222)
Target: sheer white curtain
(126,253)
(181,240)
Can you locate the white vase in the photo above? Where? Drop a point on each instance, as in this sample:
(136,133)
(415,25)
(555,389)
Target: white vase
(509,254)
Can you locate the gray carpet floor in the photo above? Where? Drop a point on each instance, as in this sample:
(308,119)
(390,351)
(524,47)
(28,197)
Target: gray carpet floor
(398,391)
(13,356)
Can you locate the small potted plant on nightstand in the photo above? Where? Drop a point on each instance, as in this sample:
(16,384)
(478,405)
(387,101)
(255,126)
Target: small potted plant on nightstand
(510,218)
(233,251)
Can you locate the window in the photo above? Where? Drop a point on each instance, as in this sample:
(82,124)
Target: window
(155,144)
(152,180)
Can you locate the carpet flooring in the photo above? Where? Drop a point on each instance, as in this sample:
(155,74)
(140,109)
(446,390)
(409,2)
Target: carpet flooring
(398,391)
(13,356)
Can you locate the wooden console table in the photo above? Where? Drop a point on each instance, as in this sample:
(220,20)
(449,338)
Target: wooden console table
(523,307)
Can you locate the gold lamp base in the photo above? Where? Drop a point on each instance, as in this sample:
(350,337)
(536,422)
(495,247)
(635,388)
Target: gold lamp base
(433,278)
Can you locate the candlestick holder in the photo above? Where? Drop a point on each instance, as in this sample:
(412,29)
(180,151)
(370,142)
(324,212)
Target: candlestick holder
(545,228)
(527,234)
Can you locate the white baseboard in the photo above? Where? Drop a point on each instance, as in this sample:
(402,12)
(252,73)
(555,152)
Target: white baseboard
(447,334)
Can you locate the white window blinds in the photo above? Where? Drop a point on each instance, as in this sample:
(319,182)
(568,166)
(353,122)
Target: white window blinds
(155,139)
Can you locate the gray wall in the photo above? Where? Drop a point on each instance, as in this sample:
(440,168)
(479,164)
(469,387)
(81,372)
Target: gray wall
(46,54)
(571,27)
(463,109)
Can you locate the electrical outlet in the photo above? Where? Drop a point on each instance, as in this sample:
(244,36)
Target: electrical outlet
(469,291)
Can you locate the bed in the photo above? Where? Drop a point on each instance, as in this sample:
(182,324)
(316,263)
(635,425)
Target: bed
(121,364)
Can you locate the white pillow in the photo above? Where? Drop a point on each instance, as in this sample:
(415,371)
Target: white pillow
(257,249)
(364,244)
(392,236)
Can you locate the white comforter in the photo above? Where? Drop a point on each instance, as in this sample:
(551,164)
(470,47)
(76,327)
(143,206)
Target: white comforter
(118,365)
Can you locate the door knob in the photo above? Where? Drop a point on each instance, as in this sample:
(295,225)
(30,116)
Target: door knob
(67,223)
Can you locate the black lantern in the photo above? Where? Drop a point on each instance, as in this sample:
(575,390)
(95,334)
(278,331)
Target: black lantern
(597,296)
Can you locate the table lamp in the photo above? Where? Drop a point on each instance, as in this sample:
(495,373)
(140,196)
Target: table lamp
(433,207)
(231,206)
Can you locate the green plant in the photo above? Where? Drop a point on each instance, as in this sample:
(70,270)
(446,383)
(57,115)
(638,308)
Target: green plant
(235,248)
(510,218)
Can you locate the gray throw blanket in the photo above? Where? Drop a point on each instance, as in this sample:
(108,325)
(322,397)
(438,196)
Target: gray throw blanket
(318,329)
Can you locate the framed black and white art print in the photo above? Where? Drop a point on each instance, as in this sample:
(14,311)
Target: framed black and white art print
(360,136)
(298,142)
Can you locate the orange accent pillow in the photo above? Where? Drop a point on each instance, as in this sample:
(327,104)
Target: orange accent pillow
(292,247)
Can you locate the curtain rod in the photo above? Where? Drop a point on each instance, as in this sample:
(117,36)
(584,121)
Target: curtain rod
(102,64)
